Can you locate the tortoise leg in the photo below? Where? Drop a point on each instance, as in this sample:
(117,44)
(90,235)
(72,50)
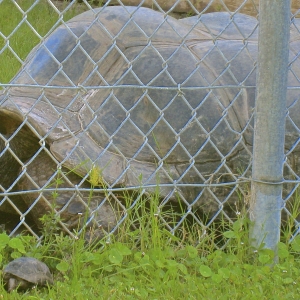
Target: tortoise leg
(17,283)
(73,207)
(12,284)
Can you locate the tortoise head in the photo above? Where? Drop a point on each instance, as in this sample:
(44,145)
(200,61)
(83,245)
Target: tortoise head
(17,145)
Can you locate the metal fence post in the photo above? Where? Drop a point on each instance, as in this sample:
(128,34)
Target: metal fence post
(269,127)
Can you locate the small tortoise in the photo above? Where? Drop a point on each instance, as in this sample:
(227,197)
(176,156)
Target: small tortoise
(144,99)
(26,272)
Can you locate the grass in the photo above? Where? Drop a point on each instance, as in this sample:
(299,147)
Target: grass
(19,34)
(148,262)
(143,260)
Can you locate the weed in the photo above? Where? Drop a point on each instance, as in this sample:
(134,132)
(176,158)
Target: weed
(150,262)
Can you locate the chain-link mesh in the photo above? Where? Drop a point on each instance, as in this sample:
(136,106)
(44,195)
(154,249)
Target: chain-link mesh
(124,99)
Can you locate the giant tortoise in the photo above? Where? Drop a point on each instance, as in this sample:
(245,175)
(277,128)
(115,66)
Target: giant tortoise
(145,99)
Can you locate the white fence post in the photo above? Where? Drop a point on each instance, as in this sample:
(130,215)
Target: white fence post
(269,128)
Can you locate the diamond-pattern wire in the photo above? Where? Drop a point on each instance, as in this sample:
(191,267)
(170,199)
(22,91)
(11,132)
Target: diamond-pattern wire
(81,92)
(290,196)
(54,75)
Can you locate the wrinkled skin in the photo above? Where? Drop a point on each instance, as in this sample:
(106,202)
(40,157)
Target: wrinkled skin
(24,145)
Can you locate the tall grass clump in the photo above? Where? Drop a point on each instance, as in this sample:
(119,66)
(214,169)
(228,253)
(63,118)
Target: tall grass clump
(143,260)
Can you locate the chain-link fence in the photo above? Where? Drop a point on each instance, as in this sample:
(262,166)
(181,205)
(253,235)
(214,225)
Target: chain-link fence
(135,101)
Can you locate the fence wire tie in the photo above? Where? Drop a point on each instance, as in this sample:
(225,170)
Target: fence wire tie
(82,89)
(180,92)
